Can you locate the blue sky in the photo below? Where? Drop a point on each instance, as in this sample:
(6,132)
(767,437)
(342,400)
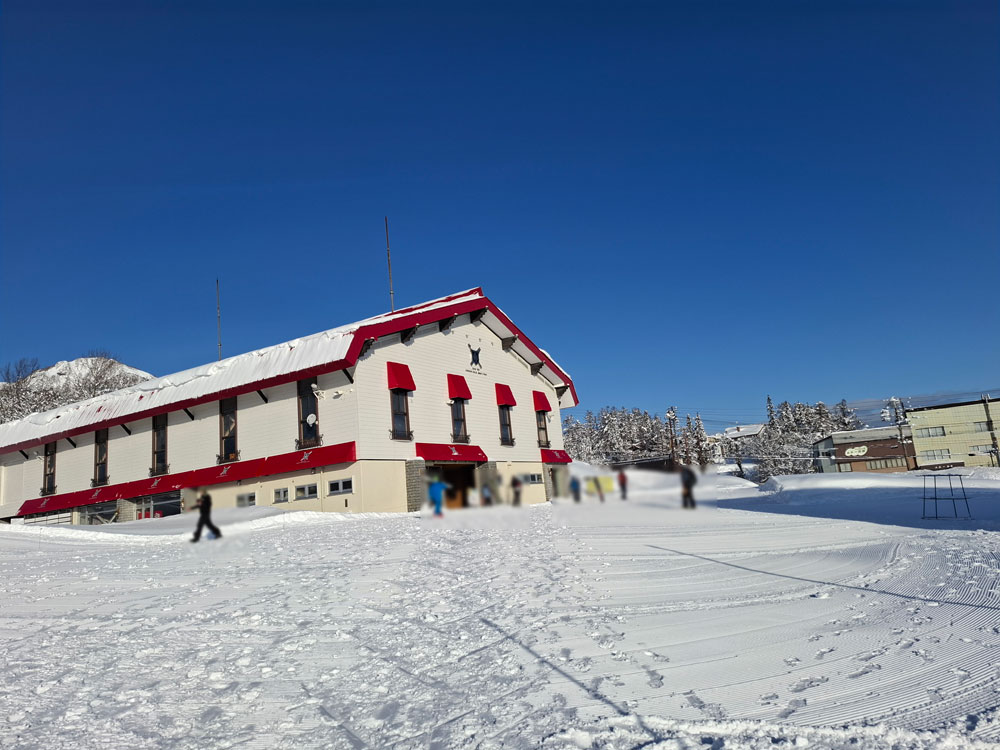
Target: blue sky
(688,203)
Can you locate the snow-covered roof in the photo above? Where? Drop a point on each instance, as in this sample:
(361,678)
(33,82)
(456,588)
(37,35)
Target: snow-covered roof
(320,352)
(888,432)
(743,430)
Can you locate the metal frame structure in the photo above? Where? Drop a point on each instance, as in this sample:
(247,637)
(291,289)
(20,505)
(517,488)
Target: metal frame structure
(951,496)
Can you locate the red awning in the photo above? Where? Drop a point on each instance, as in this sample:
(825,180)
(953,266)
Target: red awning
(447,452)
(541,401)
(399,377)
(504,396)
(555,457)
(458,388)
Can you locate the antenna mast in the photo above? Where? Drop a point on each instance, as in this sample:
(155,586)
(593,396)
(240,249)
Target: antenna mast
(218,316)
(388,257)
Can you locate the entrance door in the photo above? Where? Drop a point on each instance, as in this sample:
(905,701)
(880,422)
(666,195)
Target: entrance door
(461,477)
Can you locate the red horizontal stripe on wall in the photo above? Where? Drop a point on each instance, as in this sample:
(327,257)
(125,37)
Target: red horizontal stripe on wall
(207,477)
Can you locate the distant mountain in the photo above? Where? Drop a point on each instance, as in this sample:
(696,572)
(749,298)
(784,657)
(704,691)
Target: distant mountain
(27,388)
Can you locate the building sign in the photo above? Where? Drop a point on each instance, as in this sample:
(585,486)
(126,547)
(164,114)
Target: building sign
(858,450)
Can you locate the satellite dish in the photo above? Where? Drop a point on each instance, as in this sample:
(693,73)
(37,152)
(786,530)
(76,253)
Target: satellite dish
(311,420)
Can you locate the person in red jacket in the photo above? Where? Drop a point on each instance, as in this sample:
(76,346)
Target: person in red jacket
(623,483)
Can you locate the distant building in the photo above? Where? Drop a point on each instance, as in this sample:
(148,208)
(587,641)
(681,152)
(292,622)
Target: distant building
(957,434)
(742,431)
(877,449)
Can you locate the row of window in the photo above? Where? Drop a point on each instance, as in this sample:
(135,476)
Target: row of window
(309,435)
(929,432)
(459,425)
(311,490)
(886,463)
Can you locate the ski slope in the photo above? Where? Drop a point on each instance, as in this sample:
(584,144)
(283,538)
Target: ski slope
(814,613)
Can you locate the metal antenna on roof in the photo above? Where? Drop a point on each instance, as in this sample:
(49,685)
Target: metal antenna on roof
(218,316)
(388,257)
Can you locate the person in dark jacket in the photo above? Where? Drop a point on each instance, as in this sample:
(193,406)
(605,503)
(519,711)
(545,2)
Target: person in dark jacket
(574,489)
(688,480)
(205,517)
(515,486)
(623,483)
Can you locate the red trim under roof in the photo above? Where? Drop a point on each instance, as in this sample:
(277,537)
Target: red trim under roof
(541,401)
(407,318)
(458,388)
(341,453)
(448,452)
(399,377)
(504,396)
(555,457)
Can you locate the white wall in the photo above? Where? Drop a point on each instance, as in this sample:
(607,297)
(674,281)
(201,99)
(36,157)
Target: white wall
(431,355)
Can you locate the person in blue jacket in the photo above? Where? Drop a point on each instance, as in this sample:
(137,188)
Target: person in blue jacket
(436,491)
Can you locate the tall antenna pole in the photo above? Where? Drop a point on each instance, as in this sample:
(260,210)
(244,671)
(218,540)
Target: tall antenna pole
(388,257)
(218,316)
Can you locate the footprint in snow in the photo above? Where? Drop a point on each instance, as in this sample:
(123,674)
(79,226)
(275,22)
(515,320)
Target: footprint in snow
(823,652)
(807,682)
(791,708)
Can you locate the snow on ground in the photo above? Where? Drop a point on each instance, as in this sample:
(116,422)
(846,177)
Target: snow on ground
(809,614)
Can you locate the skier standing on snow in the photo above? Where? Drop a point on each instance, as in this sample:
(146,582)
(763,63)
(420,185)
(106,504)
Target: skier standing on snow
(515,486)
(204,506)
(688,480)
(436,492)
(574,489)
(623,483)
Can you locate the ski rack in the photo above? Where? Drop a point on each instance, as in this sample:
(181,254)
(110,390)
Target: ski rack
(934,496)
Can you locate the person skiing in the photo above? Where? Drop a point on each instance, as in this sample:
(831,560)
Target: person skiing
(204,506)
(515,486)
(436,492)
(623,483)
(688,480)
(574,488)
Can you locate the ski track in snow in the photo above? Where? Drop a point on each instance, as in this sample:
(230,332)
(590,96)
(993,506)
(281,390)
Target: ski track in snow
(616,626)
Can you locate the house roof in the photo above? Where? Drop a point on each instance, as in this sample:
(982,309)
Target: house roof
(743,430)
(327,351)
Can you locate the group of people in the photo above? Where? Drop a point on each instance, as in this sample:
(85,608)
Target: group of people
(489,492)
(688,481)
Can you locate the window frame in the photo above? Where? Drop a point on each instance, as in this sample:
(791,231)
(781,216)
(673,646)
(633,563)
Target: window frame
(848,470)
(463,436)
(313,496)
(506,416)
(984,428)
(304,389)
(157,469)
(49,469)
(341,490)
(280,495)
(98,480)
(925,455)
(403,397)
(249,500)
(225,456)
(931,432)
(542,426)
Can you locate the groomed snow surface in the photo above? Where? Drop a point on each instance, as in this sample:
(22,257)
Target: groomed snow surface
(818,612)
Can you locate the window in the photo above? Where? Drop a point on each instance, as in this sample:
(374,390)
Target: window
(309,436)
(936,454)
(506,434)
(281,495)
(926,432)
(459,431)
(534,479)
(160,465)
(49,469)
(886,463)
(844,468)
(543,429)
(341,486)
(227,431)
(981,426)
(305,491)
(981,449)
(400,415)
(247,500)
(100,458)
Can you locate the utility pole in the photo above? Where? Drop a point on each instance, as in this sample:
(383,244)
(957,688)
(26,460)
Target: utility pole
(388,257)
(991,428)
(218,316)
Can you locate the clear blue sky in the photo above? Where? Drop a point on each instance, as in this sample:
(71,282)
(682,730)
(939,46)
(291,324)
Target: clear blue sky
(690,203)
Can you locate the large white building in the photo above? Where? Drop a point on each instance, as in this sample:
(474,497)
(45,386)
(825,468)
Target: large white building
(344,420)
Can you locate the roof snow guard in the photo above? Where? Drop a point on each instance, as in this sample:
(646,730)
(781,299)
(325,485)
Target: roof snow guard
(328,351)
